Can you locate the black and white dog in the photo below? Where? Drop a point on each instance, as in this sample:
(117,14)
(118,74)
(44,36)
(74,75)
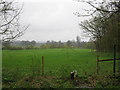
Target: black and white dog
(73,74)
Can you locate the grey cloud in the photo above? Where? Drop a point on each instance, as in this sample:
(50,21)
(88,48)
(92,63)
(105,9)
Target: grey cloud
(50,20)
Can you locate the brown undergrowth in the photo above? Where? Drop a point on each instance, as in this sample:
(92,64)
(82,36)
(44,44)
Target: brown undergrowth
(94,81)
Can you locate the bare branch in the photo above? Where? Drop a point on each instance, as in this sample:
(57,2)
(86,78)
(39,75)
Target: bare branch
(9,26)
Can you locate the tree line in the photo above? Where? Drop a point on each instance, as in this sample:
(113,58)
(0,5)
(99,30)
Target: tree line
(20,45)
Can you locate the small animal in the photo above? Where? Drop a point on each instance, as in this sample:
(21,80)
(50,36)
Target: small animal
(73,74)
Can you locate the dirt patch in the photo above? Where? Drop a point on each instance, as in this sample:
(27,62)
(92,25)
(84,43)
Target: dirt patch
(38,82)
(62,82)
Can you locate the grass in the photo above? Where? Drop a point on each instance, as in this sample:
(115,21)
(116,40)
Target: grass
(17,64)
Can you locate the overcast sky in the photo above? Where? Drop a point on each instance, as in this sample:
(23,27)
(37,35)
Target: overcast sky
(52,20)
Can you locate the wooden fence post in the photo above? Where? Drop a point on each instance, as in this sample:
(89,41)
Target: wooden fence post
(97,64)
(42,65)
(114,64)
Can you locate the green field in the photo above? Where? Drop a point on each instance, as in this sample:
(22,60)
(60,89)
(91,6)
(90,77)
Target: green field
(57,62)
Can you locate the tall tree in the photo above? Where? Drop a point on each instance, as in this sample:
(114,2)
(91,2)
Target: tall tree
(78,41)
(101,28)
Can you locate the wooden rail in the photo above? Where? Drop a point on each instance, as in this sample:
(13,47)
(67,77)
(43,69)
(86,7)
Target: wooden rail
(114,61)
(105,60)
(108,59)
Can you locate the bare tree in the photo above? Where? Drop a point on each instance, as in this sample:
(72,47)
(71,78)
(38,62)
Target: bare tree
(100,6)
(10,27)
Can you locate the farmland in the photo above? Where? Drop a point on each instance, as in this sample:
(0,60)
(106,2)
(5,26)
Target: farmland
(17,64)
